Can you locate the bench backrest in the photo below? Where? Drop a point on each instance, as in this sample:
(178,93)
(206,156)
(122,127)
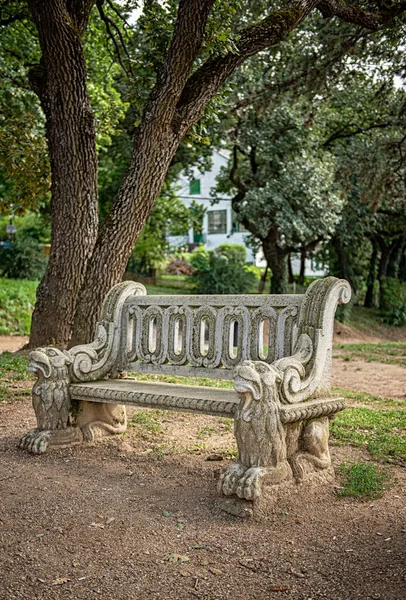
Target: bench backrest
(206,336)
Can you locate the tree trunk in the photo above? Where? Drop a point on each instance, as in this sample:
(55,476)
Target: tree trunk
(301,278)
(177,102)
(344,270)
(395,257)
(369,301)
(262,281)
(60,83)
(391,255)
(157,139)
(276,259)
(291,277)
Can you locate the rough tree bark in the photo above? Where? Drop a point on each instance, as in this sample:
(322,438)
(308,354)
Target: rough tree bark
(78,266)
(60,83)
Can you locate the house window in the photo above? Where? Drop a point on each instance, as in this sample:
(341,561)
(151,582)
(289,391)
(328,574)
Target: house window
(194,187)
(217,221)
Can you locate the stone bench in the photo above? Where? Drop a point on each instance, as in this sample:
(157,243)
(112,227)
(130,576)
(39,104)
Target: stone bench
(276,348)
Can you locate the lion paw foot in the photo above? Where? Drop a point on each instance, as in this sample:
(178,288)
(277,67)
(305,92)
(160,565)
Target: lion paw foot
(229,480)
(249,486)
(35,441)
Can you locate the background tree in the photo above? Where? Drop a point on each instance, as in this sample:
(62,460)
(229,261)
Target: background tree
(284,185)
(368,143)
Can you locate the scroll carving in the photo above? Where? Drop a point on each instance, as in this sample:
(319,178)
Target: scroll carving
(97,359)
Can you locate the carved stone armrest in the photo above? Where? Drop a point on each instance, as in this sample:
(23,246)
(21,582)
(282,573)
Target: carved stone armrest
(98,359)
(307,373)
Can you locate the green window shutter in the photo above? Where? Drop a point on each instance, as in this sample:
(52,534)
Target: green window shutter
(194,186)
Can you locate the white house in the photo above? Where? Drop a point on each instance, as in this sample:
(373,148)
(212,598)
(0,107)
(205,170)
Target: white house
(219,225)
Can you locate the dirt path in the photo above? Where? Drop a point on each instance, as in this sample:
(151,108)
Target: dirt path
(12,343)
(118,521)
(387,381)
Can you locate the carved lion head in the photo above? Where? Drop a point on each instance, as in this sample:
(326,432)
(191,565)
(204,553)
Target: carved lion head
(253,376)
(43,360)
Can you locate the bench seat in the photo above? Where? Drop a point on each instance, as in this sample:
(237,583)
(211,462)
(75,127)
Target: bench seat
(186,398)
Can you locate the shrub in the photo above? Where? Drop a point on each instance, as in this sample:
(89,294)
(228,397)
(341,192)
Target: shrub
(222,271)
(17,299)
(178,266)
(23,258)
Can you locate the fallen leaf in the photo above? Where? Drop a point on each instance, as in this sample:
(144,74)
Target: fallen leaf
(75,563)
(177,558)
(60,581)
(110,520)
(166,513)
(199,546)
(40,535)
(98,525)
(180,526)
(215,571)
(279,589)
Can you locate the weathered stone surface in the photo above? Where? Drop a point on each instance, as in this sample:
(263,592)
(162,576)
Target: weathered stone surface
(277,348)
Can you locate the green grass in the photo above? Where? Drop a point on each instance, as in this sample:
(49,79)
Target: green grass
(13,367)
(218,383)
(363,480)
(13,371)
(147,420)
(160,290)
(382,432)
(17,299)
(367,320)
(387,352)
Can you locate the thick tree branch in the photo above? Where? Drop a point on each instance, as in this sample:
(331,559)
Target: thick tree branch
(186,42)
(79,11)
(206,81)
(352,14)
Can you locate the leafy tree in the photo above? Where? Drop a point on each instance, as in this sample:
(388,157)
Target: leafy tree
(368,144)
(200,44)
(284,185)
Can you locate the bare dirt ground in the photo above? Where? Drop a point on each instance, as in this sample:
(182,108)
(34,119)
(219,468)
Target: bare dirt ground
(135,517)
(387,381)
(12,342)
